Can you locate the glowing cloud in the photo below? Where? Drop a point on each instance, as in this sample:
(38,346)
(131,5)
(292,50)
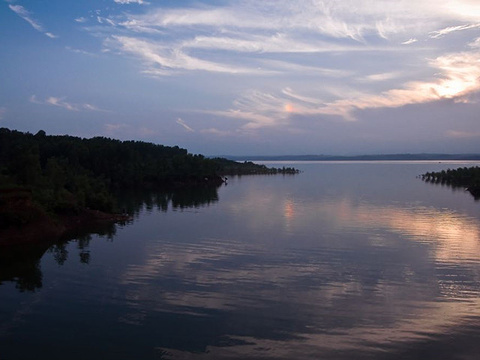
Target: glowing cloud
(459,76)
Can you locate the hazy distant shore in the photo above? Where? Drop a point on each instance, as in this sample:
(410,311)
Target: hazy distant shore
(381,157)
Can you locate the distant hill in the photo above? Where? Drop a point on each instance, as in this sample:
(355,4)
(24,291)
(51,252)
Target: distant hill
(382,157)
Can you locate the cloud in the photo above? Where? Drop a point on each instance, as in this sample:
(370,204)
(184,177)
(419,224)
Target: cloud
(342,57)
(25,15)
(280,66)
(184,125)
(253,43)
(257,109)
(335,19)
(475,44)
(440,33)
(161,60)
(140,2)
(60,102)
(459,75)
(3,110)
(382,76)
(410,41)
(191,38)
(81,19)
(91,107)
(225,39)
(79,51)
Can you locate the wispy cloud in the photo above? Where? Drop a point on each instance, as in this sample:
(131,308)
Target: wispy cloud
(256,109)
(458,77)
(439,33)
(94,108)
(364,43)
(184,125)
(178,40)
(27,16)
(161,60)
(60,102)
(409,41)
(381,76)
(140,2)
(329,18)
(278,42)
(80,51)
(3,110)
(55,101)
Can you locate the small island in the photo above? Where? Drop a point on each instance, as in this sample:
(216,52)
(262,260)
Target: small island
(468,178)
(52,185)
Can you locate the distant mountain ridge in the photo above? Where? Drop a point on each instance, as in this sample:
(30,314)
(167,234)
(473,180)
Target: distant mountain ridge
(381,157)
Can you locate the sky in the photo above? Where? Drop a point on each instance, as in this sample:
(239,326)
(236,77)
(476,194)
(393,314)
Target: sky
(245,77)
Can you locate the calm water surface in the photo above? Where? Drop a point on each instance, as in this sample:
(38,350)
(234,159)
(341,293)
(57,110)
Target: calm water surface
(343,261)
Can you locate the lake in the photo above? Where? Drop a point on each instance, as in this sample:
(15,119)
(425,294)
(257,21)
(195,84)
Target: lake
(346,260)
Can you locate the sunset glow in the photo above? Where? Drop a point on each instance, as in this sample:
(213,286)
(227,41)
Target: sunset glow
(289,108)
(234,72)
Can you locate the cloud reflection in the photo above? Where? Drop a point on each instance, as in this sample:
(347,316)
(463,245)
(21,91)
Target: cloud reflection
(367,277)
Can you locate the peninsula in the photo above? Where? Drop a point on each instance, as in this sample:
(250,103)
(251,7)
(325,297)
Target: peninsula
(52,184)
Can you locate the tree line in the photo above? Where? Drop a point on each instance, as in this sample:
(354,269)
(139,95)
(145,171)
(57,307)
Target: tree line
(65,173)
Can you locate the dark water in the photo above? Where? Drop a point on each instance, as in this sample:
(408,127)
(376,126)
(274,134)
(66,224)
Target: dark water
(343,261)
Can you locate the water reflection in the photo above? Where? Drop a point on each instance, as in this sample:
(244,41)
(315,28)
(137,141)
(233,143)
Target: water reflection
(453,237)
(22,264)
(311,297)
(278,269)
(134,202)
(61,253)
(331,277)
(22,267)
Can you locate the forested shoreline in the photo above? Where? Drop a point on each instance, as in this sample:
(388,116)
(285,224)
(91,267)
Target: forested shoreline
(47,177)
(468,178)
